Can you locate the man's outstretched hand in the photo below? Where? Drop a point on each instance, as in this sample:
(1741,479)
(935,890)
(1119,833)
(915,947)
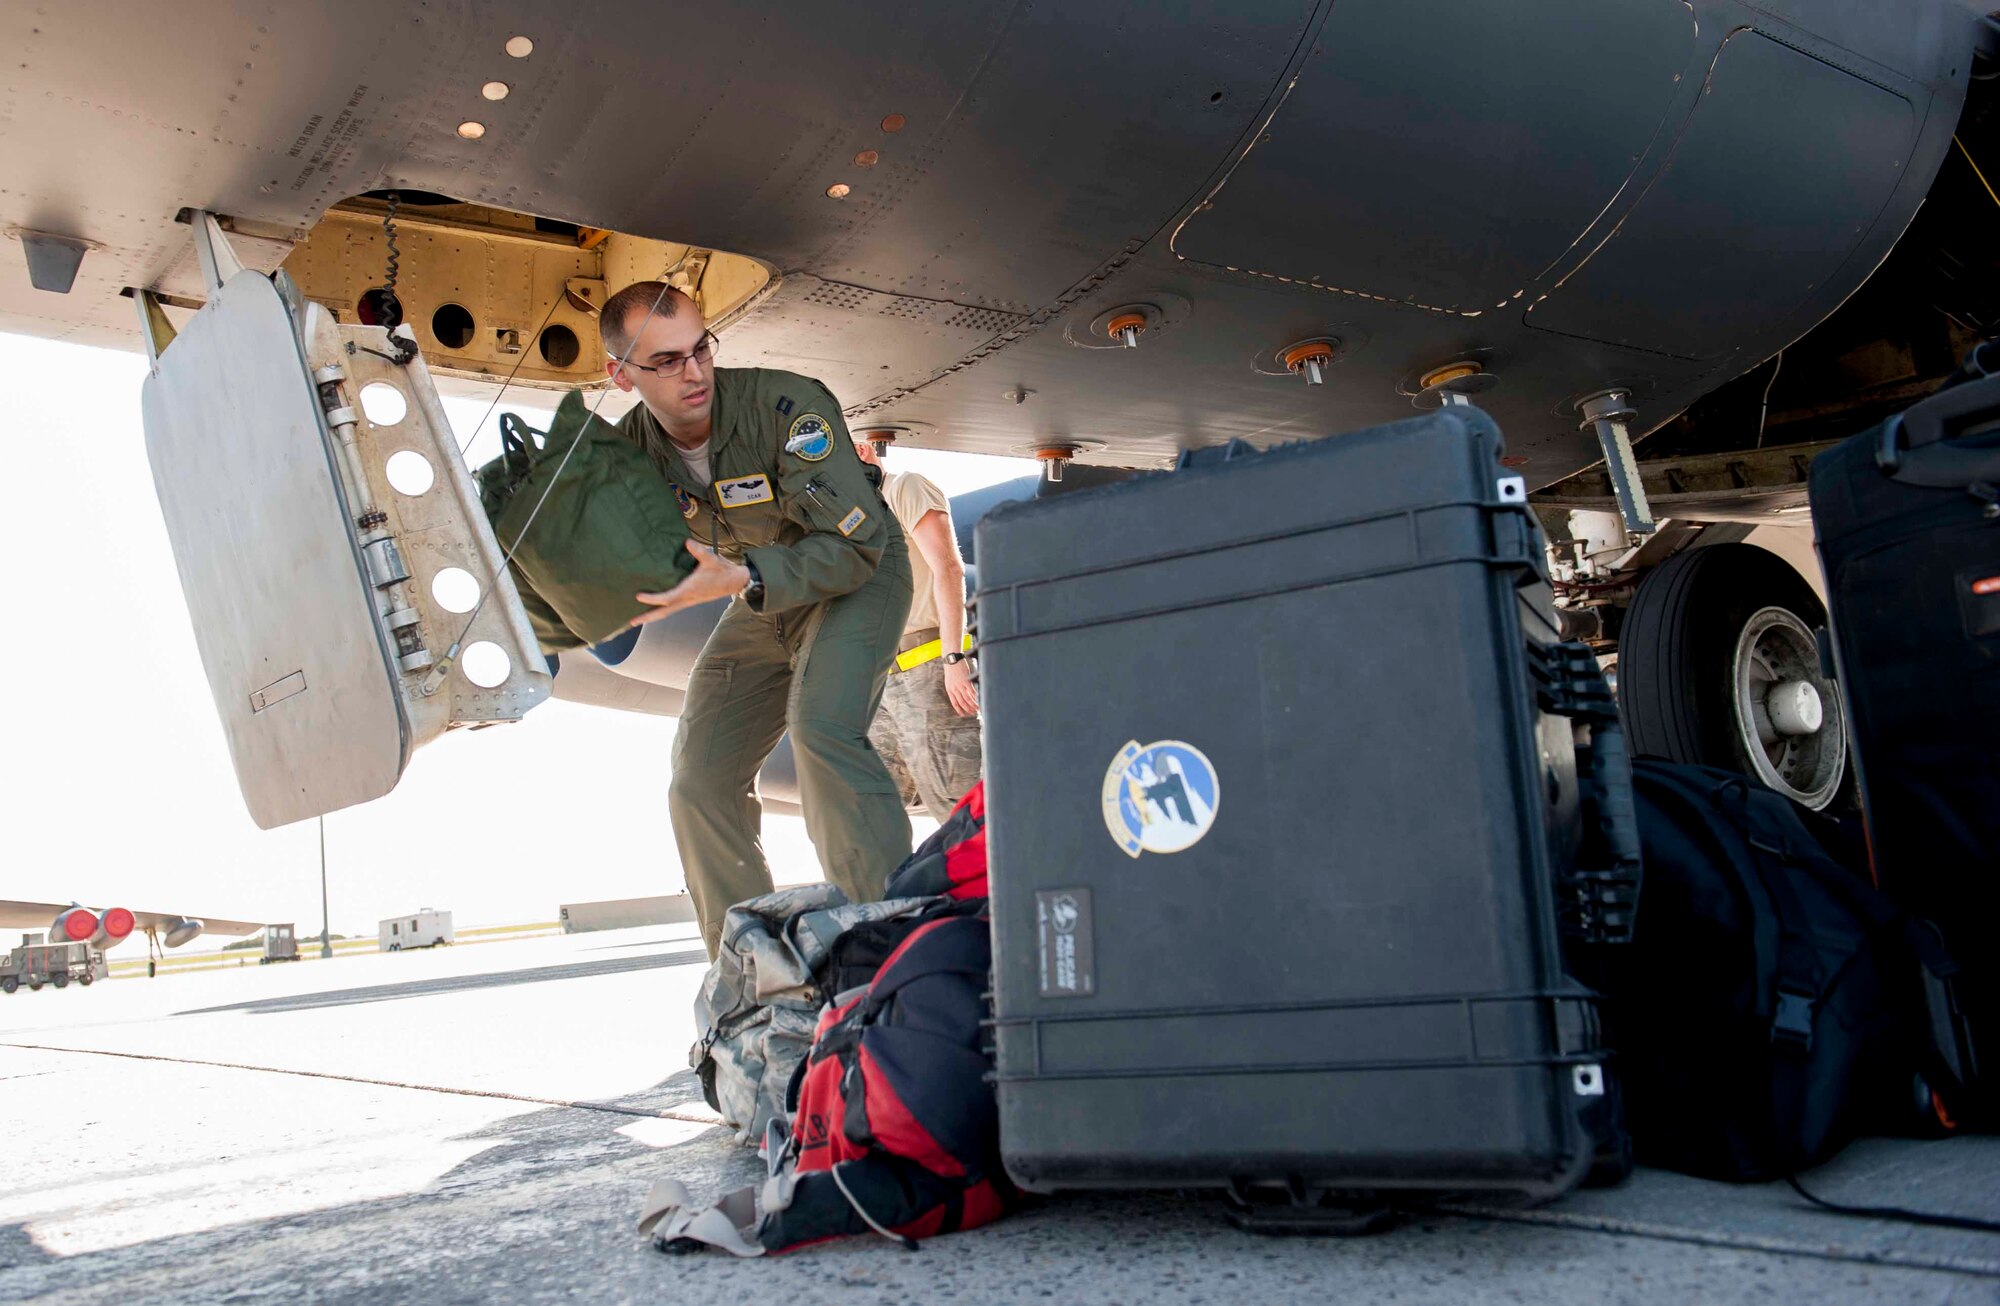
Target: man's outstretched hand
(713,577)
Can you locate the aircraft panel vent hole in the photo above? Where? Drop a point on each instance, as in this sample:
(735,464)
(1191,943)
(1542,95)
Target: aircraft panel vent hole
(379,307)
(455,590)
(559,346)
(452,326)
(410,472)
(486,664)
(384,403)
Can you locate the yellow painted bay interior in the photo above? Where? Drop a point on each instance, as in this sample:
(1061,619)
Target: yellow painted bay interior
(487,290)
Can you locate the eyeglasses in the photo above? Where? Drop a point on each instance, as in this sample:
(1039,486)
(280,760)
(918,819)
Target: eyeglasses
(674,364)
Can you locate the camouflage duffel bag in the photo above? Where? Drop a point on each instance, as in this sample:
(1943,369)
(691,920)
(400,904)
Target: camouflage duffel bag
(588,523)
(761,999)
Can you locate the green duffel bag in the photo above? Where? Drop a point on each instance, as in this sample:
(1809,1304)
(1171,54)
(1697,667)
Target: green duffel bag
(605,529)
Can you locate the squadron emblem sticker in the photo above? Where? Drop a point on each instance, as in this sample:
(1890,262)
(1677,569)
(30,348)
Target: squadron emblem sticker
(1160,797)
(811,437)
(684,499)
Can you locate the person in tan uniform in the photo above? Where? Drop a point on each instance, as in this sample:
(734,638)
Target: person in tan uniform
(927,729)
(787,523)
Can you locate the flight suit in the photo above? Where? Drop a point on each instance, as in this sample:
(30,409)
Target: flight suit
(790,498)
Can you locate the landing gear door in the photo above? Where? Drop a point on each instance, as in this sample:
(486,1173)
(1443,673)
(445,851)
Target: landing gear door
(283,609)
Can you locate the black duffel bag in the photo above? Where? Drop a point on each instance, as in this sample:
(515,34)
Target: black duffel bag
(1773,1004)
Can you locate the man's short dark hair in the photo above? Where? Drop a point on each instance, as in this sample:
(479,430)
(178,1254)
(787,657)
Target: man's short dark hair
(619,320)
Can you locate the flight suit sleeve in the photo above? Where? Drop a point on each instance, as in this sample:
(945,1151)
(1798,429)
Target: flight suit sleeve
(847,527)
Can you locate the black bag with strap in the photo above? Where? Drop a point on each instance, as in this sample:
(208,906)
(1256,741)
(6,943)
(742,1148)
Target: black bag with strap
(1772,1004)
(1907,519)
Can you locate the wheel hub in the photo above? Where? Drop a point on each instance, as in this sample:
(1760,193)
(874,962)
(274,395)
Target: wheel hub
(1794,708)
(1787,714)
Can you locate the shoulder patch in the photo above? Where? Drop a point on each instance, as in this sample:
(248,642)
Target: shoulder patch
(684,499)
(811,437)
(784,405)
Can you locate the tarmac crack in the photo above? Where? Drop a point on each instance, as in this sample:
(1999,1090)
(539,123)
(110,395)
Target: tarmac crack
(609,1108)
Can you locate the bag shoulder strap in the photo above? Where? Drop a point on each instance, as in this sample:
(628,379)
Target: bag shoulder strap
(1801,981)
(1782,956)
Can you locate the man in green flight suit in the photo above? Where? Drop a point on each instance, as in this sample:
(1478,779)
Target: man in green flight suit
(786,521)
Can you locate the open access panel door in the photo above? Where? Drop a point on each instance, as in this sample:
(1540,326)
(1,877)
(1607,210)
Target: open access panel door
(283,611)
(345,616)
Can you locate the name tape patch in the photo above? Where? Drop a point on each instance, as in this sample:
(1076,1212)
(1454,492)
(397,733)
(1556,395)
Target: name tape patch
(744,491)
(852,521)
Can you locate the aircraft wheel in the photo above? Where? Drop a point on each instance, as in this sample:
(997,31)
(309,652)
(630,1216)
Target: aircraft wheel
(34,986)
(1717,666)
(60,980)
(84,979)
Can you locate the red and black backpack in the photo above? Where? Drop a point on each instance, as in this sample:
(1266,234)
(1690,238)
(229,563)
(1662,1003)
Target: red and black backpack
(952,862)
(896,1130)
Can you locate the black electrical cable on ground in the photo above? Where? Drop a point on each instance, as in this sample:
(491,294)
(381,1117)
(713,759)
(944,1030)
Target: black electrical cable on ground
(1895,1212)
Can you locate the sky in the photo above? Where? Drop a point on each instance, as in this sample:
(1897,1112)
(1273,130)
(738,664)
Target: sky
(118,789)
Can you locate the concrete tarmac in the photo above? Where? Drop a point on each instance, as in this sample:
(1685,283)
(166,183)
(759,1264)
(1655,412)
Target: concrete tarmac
(481,1124)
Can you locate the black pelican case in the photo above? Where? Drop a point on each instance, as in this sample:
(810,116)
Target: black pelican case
(1295,802)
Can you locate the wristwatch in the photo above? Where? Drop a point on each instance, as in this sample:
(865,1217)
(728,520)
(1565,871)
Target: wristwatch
(953,659)
(753,593)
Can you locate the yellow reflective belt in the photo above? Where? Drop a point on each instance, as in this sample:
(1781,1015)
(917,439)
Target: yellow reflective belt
(922,653)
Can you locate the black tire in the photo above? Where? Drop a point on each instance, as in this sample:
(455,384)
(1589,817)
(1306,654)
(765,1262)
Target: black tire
(60,980)
(9,984)
(34,986)
(1677,688)
(84,979)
